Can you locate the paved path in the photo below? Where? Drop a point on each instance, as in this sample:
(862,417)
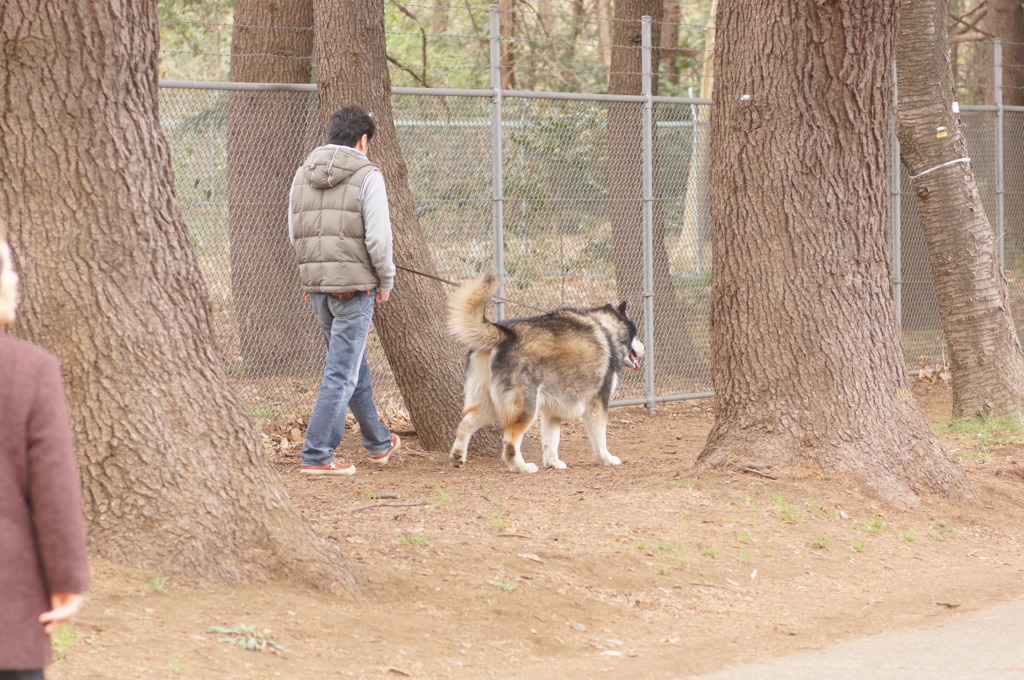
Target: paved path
(982,645)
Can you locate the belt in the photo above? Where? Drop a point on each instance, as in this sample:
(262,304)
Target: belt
(350,294)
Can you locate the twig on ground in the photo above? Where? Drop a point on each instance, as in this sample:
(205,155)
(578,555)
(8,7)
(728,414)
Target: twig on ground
(708,585)
(386,505)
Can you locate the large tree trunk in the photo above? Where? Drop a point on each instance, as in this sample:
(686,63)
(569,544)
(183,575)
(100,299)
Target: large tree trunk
(427,364)
(173,471)
(806,360)
(674,352)
(268,136)
(986,362)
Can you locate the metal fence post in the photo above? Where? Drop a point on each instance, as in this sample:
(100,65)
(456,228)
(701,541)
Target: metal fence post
(896,218)
(497,168)
(648,217)
(694,166)
(997,59)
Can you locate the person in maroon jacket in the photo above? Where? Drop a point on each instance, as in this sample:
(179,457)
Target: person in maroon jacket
(43,560)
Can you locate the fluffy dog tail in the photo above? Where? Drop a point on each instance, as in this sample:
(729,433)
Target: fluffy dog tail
(466,313)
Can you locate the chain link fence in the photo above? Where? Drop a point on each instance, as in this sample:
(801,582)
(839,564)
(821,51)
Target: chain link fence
(571,225)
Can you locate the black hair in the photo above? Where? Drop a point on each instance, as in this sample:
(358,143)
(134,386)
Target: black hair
(347,126)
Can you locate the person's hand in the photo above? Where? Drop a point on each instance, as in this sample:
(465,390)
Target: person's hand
(382,296)
(65,606)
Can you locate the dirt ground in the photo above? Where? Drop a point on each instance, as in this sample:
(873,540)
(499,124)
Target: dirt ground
(641,571)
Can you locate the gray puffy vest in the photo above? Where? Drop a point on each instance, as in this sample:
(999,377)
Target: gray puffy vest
(327,221)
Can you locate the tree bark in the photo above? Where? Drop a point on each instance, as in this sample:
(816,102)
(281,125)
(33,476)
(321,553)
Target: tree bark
(1004,19)
(426,363)
(986,362)
(173,470)
(508,54)
(268,136)
(806,360)
(674,352)
(697,191)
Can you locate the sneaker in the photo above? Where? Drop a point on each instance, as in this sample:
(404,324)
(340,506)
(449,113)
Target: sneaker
(329,469)
(382,458)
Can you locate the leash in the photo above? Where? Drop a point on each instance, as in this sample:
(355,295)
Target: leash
(452,283)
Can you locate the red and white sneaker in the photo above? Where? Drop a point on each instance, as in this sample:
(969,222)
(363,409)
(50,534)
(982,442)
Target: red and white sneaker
(382,458)
(331,469)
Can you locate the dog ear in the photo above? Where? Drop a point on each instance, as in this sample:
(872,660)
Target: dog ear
(622,309)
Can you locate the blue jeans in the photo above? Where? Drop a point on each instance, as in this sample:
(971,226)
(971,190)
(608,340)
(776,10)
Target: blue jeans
(346,325)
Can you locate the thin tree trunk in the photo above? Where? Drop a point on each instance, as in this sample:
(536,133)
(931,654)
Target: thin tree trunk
(986,362)
(1004,19)
(174,474)
(674,353)
(605,43)
(268,136)
(508,52)
(426,363)
(670,40)
(695,221)
(806,360)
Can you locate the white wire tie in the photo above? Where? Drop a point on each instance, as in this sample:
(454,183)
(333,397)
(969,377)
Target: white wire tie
(965,159)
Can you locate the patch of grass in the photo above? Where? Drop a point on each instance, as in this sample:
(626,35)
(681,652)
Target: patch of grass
(745,555)
(711,552)
(158,584)
(909,536)
(941,530)
(990,431)
(441,497)
(977,456)
(414,541)
(743,536)
(857,546)
(501,518)
(875,525)
(264,412)
(783,506)
(679,482)
(176,667)
(819,543)
(60,641)
(505,585)
(248,637)
(984,433)
(673,554)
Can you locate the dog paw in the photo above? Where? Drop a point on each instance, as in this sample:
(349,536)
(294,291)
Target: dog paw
(611,460)
(556,465)
(457,460)
(528,468)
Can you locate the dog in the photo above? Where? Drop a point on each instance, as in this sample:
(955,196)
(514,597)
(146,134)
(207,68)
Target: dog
(562,365)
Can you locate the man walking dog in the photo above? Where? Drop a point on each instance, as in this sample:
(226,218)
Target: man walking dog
(340,225)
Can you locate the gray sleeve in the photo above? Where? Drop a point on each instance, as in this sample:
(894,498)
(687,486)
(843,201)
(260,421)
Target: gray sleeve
(377,227)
